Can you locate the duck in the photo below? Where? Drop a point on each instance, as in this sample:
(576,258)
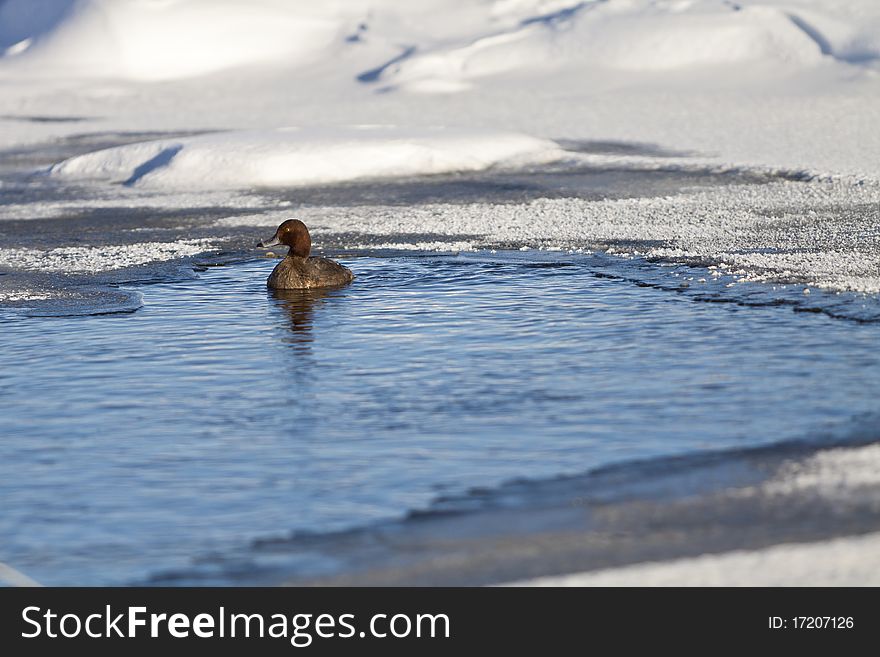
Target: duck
(299,271)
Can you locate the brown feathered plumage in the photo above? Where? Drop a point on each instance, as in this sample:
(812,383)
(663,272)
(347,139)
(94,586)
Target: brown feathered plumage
(298,271)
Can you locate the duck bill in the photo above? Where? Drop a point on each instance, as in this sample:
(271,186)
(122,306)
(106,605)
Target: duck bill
(274,241)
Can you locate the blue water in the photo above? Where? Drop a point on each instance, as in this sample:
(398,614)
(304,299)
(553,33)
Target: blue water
(220,413)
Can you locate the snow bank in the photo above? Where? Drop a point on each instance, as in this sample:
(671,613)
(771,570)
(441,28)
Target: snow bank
(162,39)
(451,41)
(839,562)
(786,83)
(23,21)
(711,35)
(302,157)
(833,475)
(830,474)
(632,37)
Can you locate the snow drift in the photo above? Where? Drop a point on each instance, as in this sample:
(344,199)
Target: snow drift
(162,39)
(784,83)
(449,40)
(300,157)
(618,36)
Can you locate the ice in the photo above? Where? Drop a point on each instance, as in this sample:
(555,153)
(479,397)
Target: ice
(123,198)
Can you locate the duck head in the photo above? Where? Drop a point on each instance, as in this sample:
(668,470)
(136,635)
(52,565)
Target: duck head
(294,234)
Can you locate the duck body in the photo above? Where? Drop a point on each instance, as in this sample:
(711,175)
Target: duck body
(298,273)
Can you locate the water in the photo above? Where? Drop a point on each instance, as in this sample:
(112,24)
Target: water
(219,413)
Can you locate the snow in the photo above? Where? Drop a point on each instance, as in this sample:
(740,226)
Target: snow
(71,259)
(300,157)
(851,561)
(812,241)
(24,295)
(784,83)
(618,36)
(144,40)
(833,474)
(303,93)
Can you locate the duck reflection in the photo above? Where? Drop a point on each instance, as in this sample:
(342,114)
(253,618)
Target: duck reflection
(300,306)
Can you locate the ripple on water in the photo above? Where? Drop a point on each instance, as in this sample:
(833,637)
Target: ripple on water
(220,412)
